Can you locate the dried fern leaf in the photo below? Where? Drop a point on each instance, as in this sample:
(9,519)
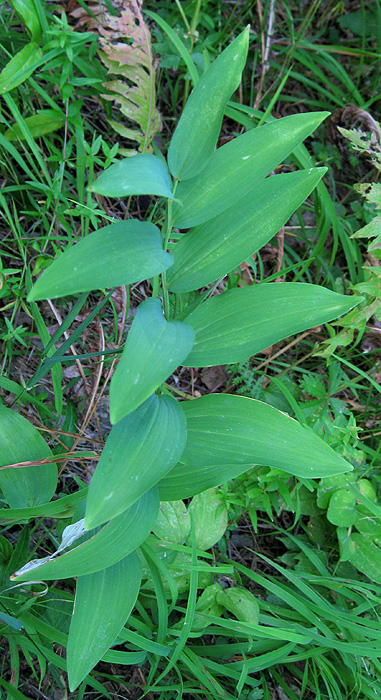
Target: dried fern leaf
(125,49)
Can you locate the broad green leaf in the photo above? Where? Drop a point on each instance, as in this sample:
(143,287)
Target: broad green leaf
(139,451)
(367,489)
(140,174)
(227,435)
(19,68)
(20,441)
(369,525)
(366,557)
(153,350)
(39,124)
(196,134)
(342,508)
(122,253)
(241,603)
(330,485)
(346,546)
(173,523)
(207,605)
(212,249)
(237,324)
(103,602)
(237,168)
(27,11)
(210,518)
(102,547)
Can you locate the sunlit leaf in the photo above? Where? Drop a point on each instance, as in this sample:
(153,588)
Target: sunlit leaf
(19,68)
(173,522)
(140,174)
(210,517)
(235,325)
(237,168)
(39,124)
(197,132)
(342,508)
(227,435)
(27,11)
(213,249)
(366,556)
(122,253)
(240,602)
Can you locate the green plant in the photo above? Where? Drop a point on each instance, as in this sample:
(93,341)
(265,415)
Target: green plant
(159,448)
(370,288)
(349,502)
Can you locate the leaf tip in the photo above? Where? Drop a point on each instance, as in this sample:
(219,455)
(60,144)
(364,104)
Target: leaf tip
(115,414)
(75,679)
(93,520)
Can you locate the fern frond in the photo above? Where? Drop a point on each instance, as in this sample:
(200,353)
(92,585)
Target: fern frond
(125,49)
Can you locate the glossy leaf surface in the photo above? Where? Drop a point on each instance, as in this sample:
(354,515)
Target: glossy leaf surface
(103,602)
(100,548)
(229,434)
(153,350)
(122,253)
(20,441)
(140,174)
(213,249)
(139,451)
(234,325)
(236,168)
(196,134)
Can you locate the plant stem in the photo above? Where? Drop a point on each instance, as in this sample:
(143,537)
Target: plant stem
(192,36)
(182,13)
(168,224)
(166,236)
